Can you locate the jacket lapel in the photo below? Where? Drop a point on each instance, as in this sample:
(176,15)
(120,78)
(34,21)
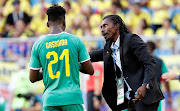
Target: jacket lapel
(121,48)
(125,44)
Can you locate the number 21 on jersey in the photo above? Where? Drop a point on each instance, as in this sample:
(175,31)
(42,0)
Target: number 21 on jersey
(65,54)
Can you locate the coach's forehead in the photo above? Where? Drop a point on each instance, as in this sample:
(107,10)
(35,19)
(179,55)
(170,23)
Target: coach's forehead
(106,21)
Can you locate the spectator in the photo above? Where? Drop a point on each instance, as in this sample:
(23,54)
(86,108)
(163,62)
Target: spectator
(12,18)
(2,20)
(24,6)
(159,12)
(17,14)
(34,102)
(76,26)
(39,23)
(166,29)
(144,3)
(135,15)
(20,30)
(167,35)
(4,3)
(36,9)
(143,28)
(94,19)
(115,9)
(70,15)
(86,28)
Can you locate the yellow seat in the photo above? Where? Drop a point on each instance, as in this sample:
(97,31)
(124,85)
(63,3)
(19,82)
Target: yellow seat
(39,25)
(159,15)
(133,20)
(164,41)
(2,24)
(36,9)
(148,31)
(121,14)
(95,20)
(171,32)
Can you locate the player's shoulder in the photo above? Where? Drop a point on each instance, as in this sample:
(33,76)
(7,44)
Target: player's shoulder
(71,35)
(40,39)
(73,39)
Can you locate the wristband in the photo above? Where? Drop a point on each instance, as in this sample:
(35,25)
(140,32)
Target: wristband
(94,98)
(98,97)
(147,85)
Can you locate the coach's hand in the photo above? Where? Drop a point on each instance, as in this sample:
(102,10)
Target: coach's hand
(140,93)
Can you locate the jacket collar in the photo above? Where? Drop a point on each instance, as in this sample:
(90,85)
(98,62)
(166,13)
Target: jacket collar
(116,44)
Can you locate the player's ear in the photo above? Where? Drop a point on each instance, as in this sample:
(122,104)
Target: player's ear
(47,24)
(64,23)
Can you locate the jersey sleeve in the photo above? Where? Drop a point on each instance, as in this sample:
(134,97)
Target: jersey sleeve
(83,55)
(34,59)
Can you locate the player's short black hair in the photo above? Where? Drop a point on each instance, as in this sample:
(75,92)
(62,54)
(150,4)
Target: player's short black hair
(56,13)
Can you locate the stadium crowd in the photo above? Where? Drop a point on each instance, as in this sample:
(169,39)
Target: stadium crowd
(27,18)
(156,20)
(151,19)
(24,18)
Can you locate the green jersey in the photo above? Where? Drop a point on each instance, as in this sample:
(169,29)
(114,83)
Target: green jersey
(59,56)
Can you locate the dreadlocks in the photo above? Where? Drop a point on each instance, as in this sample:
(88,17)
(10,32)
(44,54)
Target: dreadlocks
(118,20)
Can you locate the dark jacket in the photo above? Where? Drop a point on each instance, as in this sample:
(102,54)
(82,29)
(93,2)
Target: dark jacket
(11,18)
(138,67)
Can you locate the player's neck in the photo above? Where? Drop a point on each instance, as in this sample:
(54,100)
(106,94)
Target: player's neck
(55,29)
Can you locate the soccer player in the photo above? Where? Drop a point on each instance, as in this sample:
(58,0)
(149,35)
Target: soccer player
(59,54)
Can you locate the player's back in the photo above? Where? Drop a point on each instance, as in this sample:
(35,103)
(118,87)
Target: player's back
(59,56)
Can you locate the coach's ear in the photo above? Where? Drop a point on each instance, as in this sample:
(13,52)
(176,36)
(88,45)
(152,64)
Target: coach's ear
(47,24)
(117,26)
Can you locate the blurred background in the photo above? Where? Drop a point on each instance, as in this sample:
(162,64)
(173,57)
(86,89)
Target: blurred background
(22,22)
